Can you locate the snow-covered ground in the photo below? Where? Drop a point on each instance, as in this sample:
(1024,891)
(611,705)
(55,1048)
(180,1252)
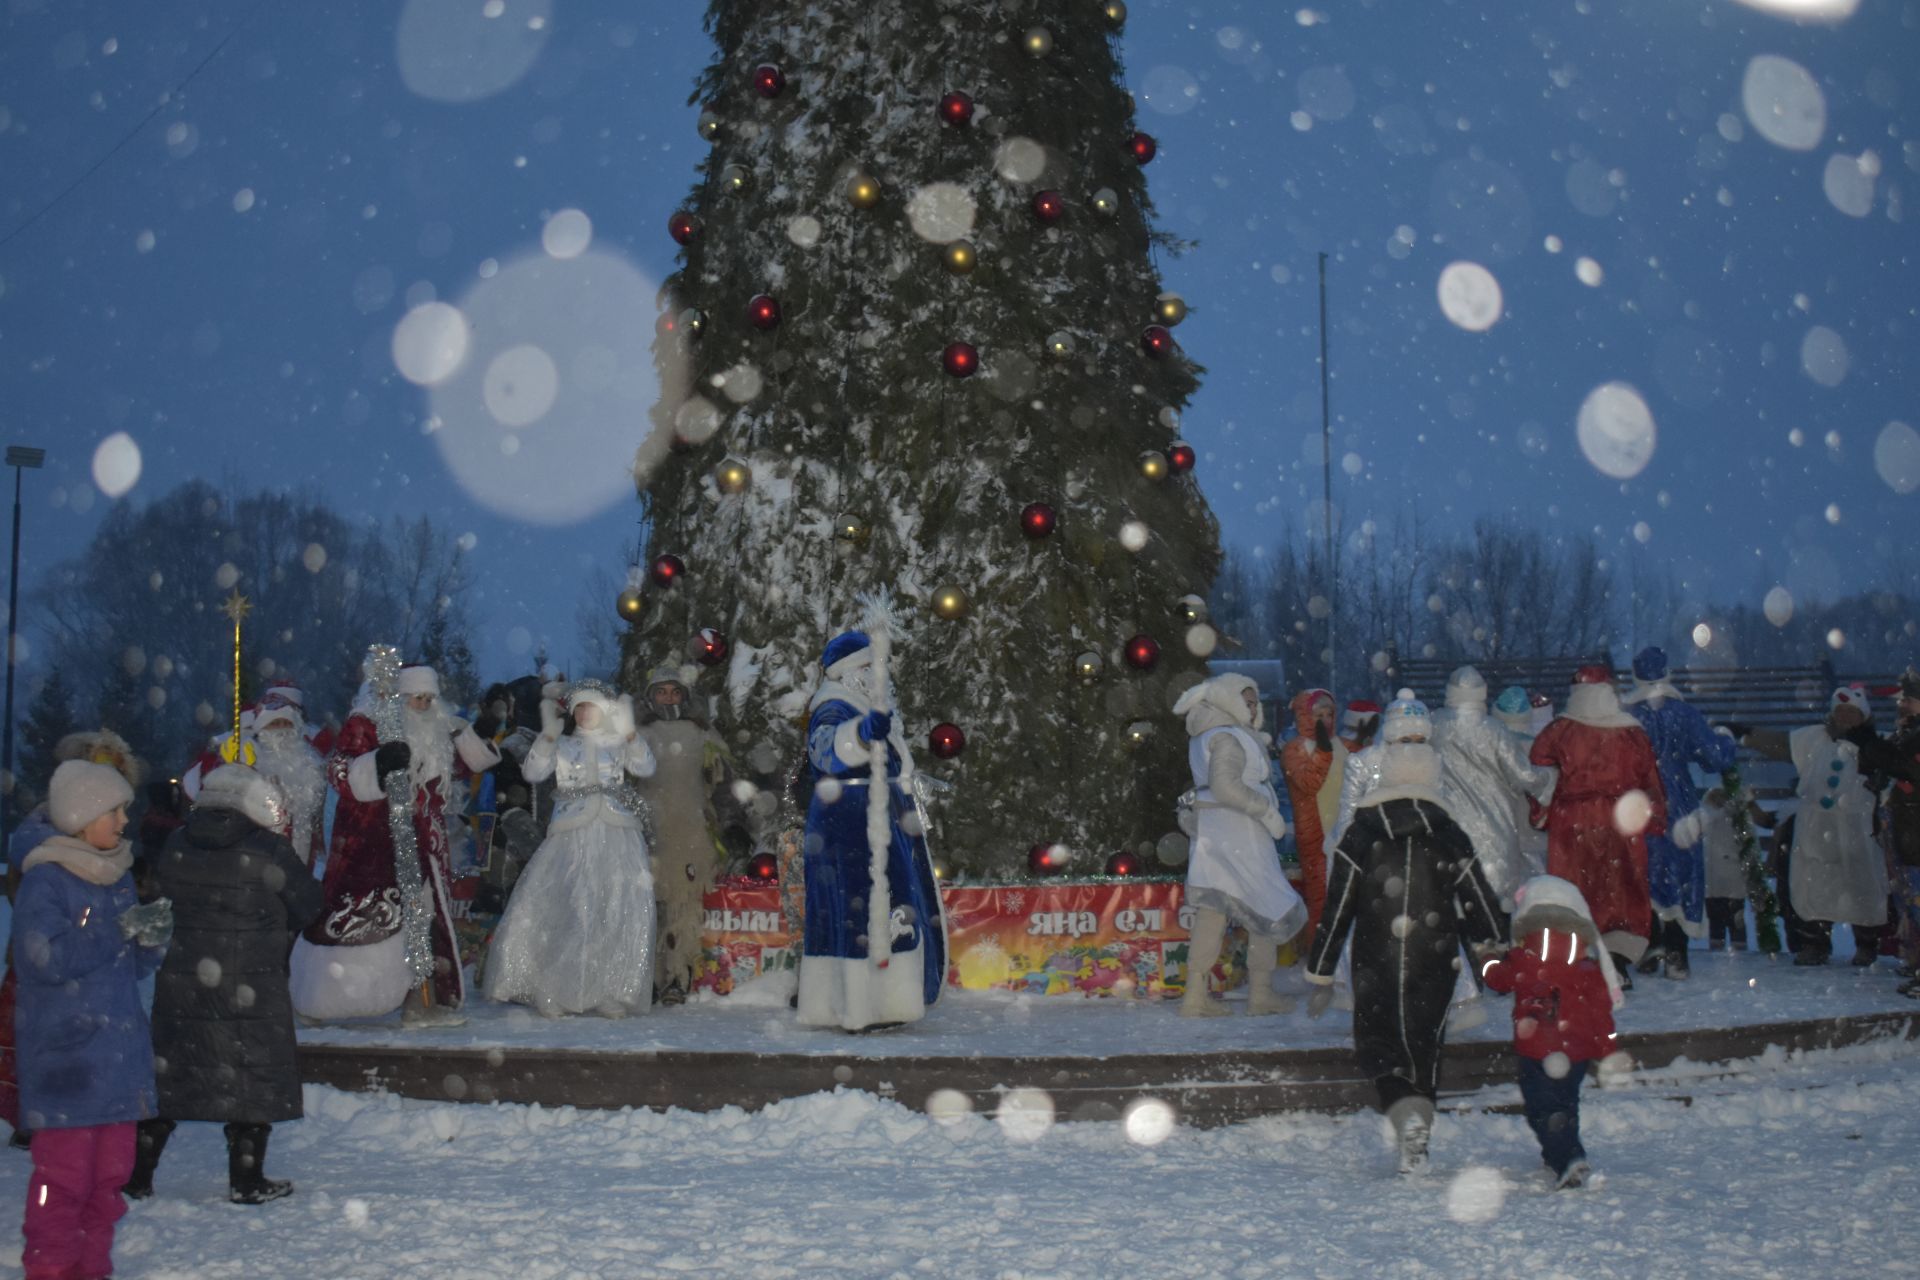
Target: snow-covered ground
(1725,990)
(1806,1167)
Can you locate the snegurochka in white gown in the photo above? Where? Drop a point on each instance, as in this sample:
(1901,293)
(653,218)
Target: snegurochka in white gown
(577,936)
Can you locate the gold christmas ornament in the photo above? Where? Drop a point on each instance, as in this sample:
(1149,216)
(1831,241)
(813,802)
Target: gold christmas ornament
(1105,202)
(709,126)
(1116,11)
(735,179)
(1169,309)
(732,476)
(1088,666)
(1153,465)
(849,528)
(1038,42)
(1138,733)
(951,603)
(631,604)
(863,192)
(960,258)
(1190,609)
(1060,345)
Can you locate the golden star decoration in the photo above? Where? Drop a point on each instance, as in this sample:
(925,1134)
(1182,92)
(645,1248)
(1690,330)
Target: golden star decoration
(237,607)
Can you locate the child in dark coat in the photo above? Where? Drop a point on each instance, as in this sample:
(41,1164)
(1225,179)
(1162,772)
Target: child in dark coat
(1564,995)
(81,944)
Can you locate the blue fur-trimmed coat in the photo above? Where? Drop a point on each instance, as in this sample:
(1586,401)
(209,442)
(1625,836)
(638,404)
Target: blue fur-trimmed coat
(1676,875)
(838,864)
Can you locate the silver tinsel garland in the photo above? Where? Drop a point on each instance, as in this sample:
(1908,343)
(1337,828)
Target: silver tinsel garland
(388,713)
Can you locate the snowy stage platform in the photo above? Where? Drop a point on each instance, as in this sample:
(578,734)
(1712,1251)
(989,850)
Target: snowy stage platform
(1093,1057)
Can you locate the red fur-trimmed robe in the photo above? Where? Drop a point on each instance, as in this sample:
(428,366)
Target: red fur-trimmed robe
(363,896)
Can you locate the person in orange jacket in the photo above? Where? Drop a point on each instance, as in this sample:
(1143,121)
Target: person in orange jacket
(1313,764)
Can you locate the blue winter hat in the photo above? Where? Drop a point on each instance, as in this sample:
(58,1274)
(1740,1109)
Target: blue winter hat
(1513,701)
(1650,663)
(1407,718)
(844,645)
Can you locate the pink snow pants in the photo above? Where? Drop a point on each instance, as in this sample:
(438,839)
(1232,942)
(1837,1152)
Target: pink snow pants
(74,1199)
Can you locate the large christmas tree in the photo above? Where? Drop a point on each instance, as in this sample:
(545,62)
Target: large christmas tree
(923,349)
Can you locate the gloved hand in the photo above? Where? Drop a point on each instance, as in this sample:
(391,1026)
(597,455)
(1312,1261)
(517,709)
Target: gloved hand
(1322,735)
(1320,1000)
(622,716)
(1737,729)
(149,925)
(550,717)
(875,726)
(1275,824)
(1613,1069)
(391,756)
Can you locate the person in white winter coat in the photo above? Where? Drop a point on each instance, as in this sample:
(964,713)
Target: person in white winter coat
(1486,778)
(577,936)
(1234,868)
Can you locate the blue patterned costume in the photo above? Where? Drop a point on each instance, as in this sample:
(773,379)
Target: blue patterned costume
(839,984)
(1681,737)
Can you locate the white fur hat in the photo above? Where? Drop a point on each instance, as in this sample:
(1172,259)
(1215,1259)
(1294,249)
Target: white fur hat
(81,791)
(1545,901)
(1466,687)
(1224,694)
(236,788)
(418,679)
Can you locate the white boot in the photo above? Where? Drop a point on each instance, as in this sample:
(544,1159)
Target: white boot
(1412,1120)
(1263,957)
(1203,948)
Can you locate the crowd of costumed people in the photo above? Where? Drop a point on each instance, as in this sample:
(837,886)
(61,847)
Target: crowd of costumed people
(297,872)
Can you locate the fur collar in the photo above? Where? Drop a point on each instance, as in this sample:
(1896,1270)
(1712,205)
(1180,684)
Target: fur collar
(1598,705)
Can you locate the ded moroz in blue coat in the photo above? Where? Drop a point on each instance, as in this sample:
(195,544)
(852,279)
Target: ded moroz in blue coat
(840,985)
(1681,738)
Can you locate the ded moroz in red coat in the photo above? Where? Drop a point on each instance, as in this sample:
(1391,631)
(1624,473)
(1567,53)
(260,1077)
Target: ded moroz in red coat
(1596,830)
(363,896)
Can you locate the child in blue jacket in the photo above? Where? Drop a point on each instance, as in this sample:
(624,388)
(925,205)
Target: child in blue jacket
(81,944)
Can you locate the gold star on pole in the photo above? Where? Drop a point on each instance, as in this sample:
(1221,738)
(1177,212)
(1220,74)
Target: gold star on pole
(237,607)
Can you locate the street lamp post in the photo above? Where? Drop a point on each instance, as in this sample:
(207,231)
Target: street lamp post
(19,458)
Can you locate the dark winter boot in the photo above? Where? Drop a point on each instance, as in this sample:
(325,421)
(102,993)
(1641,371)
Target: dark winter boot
(1624,968)
(21,1140)
(1809,956)
(1674,953)
(247,1182)
(150,1141)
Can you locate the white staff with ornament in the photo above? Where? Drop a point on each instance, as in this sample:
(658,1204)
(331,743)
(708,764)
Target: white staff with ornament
(879,621)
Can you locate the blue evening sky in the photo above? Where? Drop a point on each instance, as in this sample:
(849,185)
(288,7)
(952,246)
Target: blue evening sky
(1705,202)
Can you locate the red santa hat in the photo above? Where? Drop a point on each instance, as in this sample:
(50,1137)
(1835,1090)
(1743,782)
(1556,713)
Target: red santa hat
(417,678)
(1358,712)
(1594,673)
(283,693)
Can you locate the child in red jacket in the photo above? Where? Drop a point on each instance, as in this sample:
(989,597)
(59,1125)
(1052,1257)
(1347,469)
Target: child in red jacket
(1564,995)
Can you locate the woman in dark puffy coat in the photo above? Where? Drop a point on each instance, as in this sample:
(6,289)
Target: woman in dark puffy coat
(222,1019)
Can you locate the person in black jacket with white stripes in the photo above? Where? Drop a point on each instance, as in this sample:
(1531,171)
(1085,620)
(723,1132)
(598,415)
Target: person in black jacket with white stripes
(1406,884)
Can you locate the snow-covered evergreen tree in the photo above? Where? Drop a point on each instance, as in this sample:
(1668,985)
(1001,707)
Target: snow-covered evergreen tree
(853,224)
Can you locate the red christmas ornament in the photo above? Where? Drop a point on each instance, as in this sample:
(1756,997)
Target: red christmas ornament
(1049,206)
(1123,864)
(1046,859)
(1037,520)
(1157,341)
(962,359)
(763,311)
(666,569)
(1143,147)
(710,647)
(1142,652)
(956,109)
(946,740)
(1180,457)
(768,80)
(764,866)
(683,227)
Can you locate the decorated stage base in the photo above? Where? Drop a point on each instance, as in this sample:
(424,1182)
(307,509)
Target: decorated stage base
(1107,938)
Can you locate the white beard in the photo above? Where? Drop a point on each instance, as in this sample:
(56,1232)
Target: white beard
(429,737)
(1410,764)
(286,758)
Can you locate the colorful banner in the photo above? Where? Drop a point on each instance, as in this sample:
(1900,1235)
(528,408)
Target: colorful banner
(1115,938)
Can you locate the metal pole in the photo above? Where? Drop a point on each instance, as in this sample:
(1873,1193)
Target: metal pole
(13,615)
(1326,479)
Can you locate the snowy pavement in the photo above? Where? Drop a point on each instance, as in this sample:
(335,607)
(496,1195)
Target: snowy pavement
(1725,990)
(1804,1168)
